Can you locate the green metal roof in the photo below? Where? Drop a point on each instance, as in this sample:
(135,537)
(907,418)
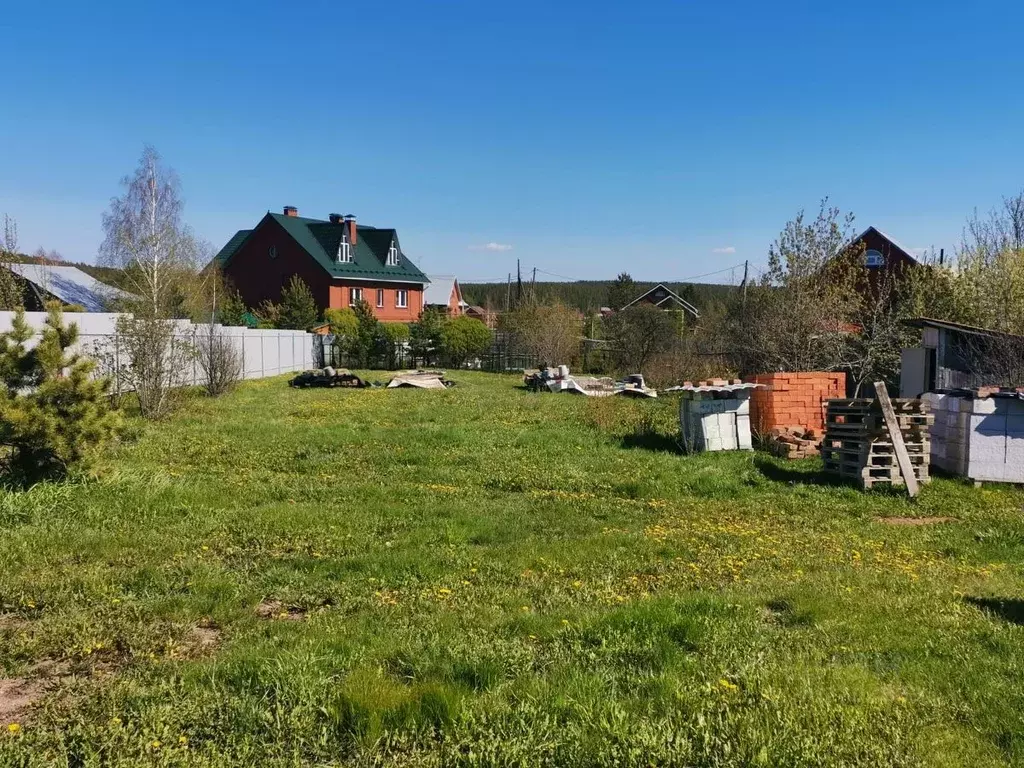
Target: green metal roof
(320,239)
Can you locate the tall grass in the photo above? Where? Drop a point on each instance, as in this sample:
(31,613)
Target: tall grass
(483,576)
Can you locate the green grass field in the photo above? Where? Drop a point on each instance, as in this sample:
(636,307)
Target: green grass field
(483,576)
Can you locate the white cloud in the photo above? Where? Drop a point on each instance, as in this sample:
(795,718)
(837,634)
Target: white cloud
(491,247)
(724,249)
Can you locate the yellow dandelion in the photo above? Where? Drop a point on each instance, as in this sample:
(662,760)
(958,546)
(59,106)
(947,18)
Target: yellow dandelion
(182,740)
(114,722)
(156,744)
(14,728)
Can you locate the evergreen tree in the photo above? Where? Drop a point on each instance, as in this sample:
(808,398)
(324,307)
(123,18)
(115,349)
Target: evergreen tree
(622,291)
(232,309)
(53,413)
(298,307)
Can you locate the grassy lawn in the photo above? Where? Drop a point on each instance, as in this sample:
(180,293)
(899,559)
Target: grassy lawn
(484,576)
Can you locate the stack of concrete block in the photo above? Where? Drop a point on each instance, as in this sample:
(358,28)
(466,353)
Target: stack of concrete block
(715,417)
(979,435)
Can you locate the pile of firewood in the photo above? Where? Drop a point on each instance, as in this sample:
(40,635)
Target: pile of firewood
(793,442)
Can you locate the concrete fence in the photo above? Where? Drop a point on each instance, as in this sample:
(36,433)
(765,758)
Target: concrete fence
(263,352)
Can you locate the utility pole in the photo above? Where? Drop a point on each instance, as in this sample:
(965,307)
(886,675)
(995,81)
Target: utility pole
(519,284)
(533,286)
(746,267)
(508,293)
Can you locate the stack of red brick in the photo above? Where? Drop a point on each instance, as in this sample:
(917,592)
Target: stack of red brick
(794,442)
(794,400)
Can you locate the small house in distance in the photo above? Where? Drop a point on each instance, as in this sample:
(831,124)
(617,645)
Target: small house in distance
(444,293)
(663,297)
(71,286)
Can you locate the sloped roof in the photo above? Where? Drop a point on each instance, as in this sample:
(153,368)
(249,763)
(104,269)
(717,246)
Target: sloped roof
(670,295)
(69,284)
(320,239)
(892,241)
(439,292)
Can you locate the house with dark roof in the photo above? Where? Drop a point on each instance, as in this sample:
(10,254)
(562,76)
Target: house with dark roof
(882,257)
(663,297)
(340,261)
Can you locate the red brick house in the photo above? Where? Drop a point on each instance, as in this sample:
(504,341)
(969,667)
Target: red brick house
(444,293)
(340,261)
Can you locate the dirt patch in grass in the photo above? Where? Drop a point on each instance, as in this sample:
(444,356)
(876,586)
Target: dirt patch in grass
(914,520)
(275,609)
(19,694)
(203,638)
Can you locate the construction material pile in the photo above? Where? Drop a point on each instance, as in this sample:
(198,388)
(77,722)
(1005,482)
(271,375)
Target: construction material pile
(793,442)
(979,433)
(715,417)
(328,377)
(559,380)
(421,380)
(858,445)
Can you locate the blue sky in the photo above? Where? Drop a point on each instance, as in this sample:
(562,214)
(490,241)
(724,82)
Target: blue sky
(668,139)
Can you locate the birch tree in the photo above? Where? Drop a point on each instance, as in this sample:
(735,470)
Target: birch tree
(147,239)
(10,287)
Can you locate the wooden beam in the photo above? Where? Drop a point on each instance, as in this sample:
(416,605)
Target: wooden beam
(896,437)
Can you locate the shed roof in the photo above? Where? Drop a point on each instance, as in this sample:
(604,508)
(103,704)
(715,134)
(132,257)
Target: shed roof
(69,284)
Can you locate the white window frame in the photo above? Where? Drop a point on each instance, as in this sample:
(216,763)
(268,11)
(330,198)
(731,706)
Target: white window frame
(402,298)
(380,298)
(355,295)
(393,255)
(344,252)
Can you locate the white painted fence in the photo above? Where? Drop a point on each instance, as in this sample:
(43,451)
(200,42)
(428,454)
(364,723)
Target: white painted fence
(264,352)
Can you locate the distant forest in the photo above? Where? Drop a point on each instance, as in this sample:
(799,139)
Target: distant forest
(585,295)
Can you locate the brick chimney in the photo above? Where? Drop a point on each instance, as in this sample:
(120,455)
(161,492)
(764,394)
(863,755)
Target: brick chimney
(291,210)
(350,220)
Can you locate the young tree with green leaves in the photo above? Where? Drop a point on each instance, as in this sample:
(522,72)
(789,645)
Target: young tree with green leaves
(298,308)
(425,336)
(367,333)
(393,337)
(53,413)
(463,338)
(231,309)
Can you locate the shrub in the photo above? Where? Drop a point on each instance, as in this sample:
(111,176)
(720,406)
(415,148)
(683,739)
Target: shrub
(463,338)
(219,358)
(53,413)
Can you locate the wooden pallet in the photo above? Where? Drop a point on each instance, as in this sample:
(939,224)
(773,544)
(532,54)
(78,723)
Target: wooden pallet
(857,445)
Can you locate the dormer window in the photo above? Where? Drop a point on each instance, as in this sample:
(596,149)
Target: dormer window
(344,252)
(392,255)
(874,258)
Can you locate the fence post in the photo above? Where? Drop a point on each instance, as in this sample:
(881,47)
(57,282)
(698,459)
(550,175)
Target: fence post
(263,366)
